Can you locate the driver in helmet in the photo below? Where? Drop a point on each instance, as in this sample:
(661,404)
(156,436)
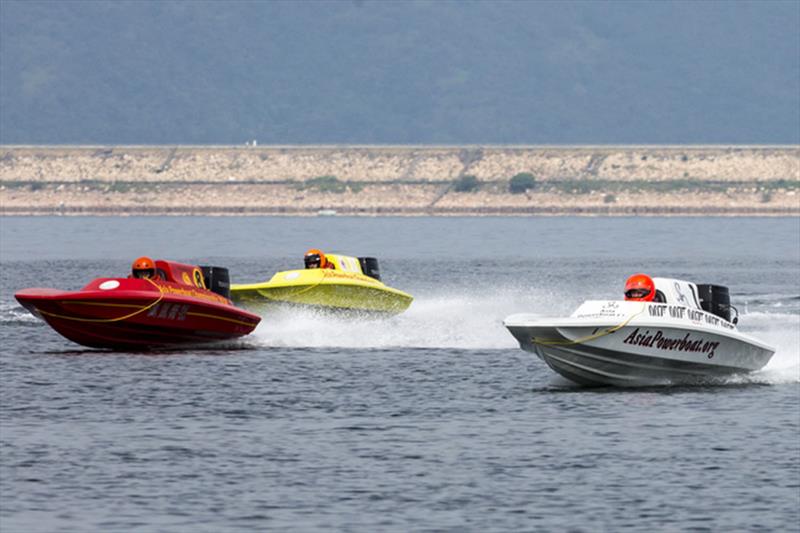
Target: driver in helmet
(316,259)
(640,288)
(143,268)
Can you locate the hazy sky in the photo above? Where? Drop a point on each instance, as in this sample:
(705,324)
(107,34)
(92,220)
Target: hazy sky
(406,72)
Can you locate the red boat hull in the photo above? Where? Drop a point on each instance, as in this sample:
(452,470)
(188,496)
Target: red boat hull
(138,314)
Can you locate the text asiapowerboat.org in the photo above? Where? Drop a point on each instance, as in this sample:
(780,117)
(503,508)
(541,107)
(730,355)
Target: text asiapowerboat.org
(689,337)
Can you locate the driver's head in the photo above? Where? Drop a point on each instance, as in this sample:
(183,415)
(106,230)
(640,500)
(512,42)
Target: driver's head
(314,259)
(640,288)
(144,267)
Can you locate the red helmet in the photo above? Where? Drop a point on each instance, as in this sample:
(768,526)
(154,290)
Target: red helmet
(315,259)
(640,288)
(144,267)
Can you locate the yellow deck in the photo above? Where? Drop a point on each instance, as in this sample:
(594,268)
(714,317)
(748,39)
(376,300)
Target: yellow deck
(345,288)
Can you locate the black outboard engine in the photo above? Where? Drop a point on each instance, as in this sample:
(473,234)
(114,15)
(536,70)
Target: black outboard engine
(369,266)
(716,300)
(217,280)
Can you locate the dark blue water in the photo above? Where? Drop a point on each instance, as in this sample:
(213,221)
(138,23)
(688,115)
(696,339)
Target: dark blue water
(433,420)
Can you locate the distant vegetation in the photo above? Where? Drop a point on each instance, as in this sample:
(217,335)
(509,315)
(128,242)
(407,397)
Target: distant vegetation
(414,72)
(521,182)
(467,183)
(329,184)
(674,185)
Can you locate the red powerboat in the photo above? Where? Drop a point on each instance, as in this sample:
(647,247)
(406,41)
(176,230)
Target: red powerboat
(174,305)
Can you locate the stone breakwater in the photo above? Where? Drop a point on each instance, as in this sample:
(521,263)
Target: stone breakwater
(401,180)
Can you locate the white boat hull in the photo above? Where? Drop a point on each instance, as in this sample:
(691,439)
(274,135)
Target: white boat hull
(627,344)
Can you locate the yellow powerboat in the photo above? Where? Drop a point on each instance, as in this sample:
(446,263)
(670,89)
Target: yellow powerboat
(330,282)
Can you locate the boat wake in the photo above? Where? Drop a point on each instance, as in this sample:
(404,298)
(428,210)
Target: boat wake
(783,331)
(469,320)
(13,314)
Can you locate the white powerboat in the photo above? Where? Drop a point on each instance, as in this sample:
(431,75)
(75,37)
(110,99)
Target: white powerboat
(685,336)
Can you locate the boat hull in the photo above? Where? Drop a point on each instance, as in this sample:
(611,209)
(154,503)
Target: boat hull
(322,290)
(608,362)
(636,348)
(138,314)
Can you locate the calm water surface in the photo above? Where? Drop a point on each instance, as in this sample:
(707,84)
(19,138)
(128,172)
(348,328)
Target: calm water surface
(430,421)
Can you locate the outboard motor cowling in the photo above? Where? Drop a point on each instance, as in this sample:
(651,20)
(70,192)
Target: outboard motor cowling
(217,280)
(715,299)
(369,266)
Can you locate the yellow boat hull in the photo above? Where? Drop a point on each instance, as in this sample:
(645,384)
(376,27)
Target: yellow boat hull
(323,289)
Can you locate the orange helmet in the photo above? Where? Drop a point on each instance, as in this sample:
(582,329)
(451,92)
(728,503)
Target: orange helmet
(315,259)
(144,267)
(640,288)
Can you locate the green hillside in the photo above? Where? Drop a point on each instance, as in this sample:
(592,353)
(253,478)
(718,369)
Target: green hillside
(399,72)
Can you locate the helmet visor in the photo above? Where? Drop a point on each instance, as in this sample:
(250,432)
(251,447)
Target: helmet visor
(637,293)
(144,273)
(313,261)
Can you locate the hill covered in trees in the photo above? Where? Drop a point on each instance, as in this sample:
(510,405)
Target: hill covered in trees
(420,72)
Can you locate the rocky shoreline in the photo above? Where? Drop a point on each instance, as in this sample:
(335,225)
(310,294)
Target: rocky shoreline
(400,180)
